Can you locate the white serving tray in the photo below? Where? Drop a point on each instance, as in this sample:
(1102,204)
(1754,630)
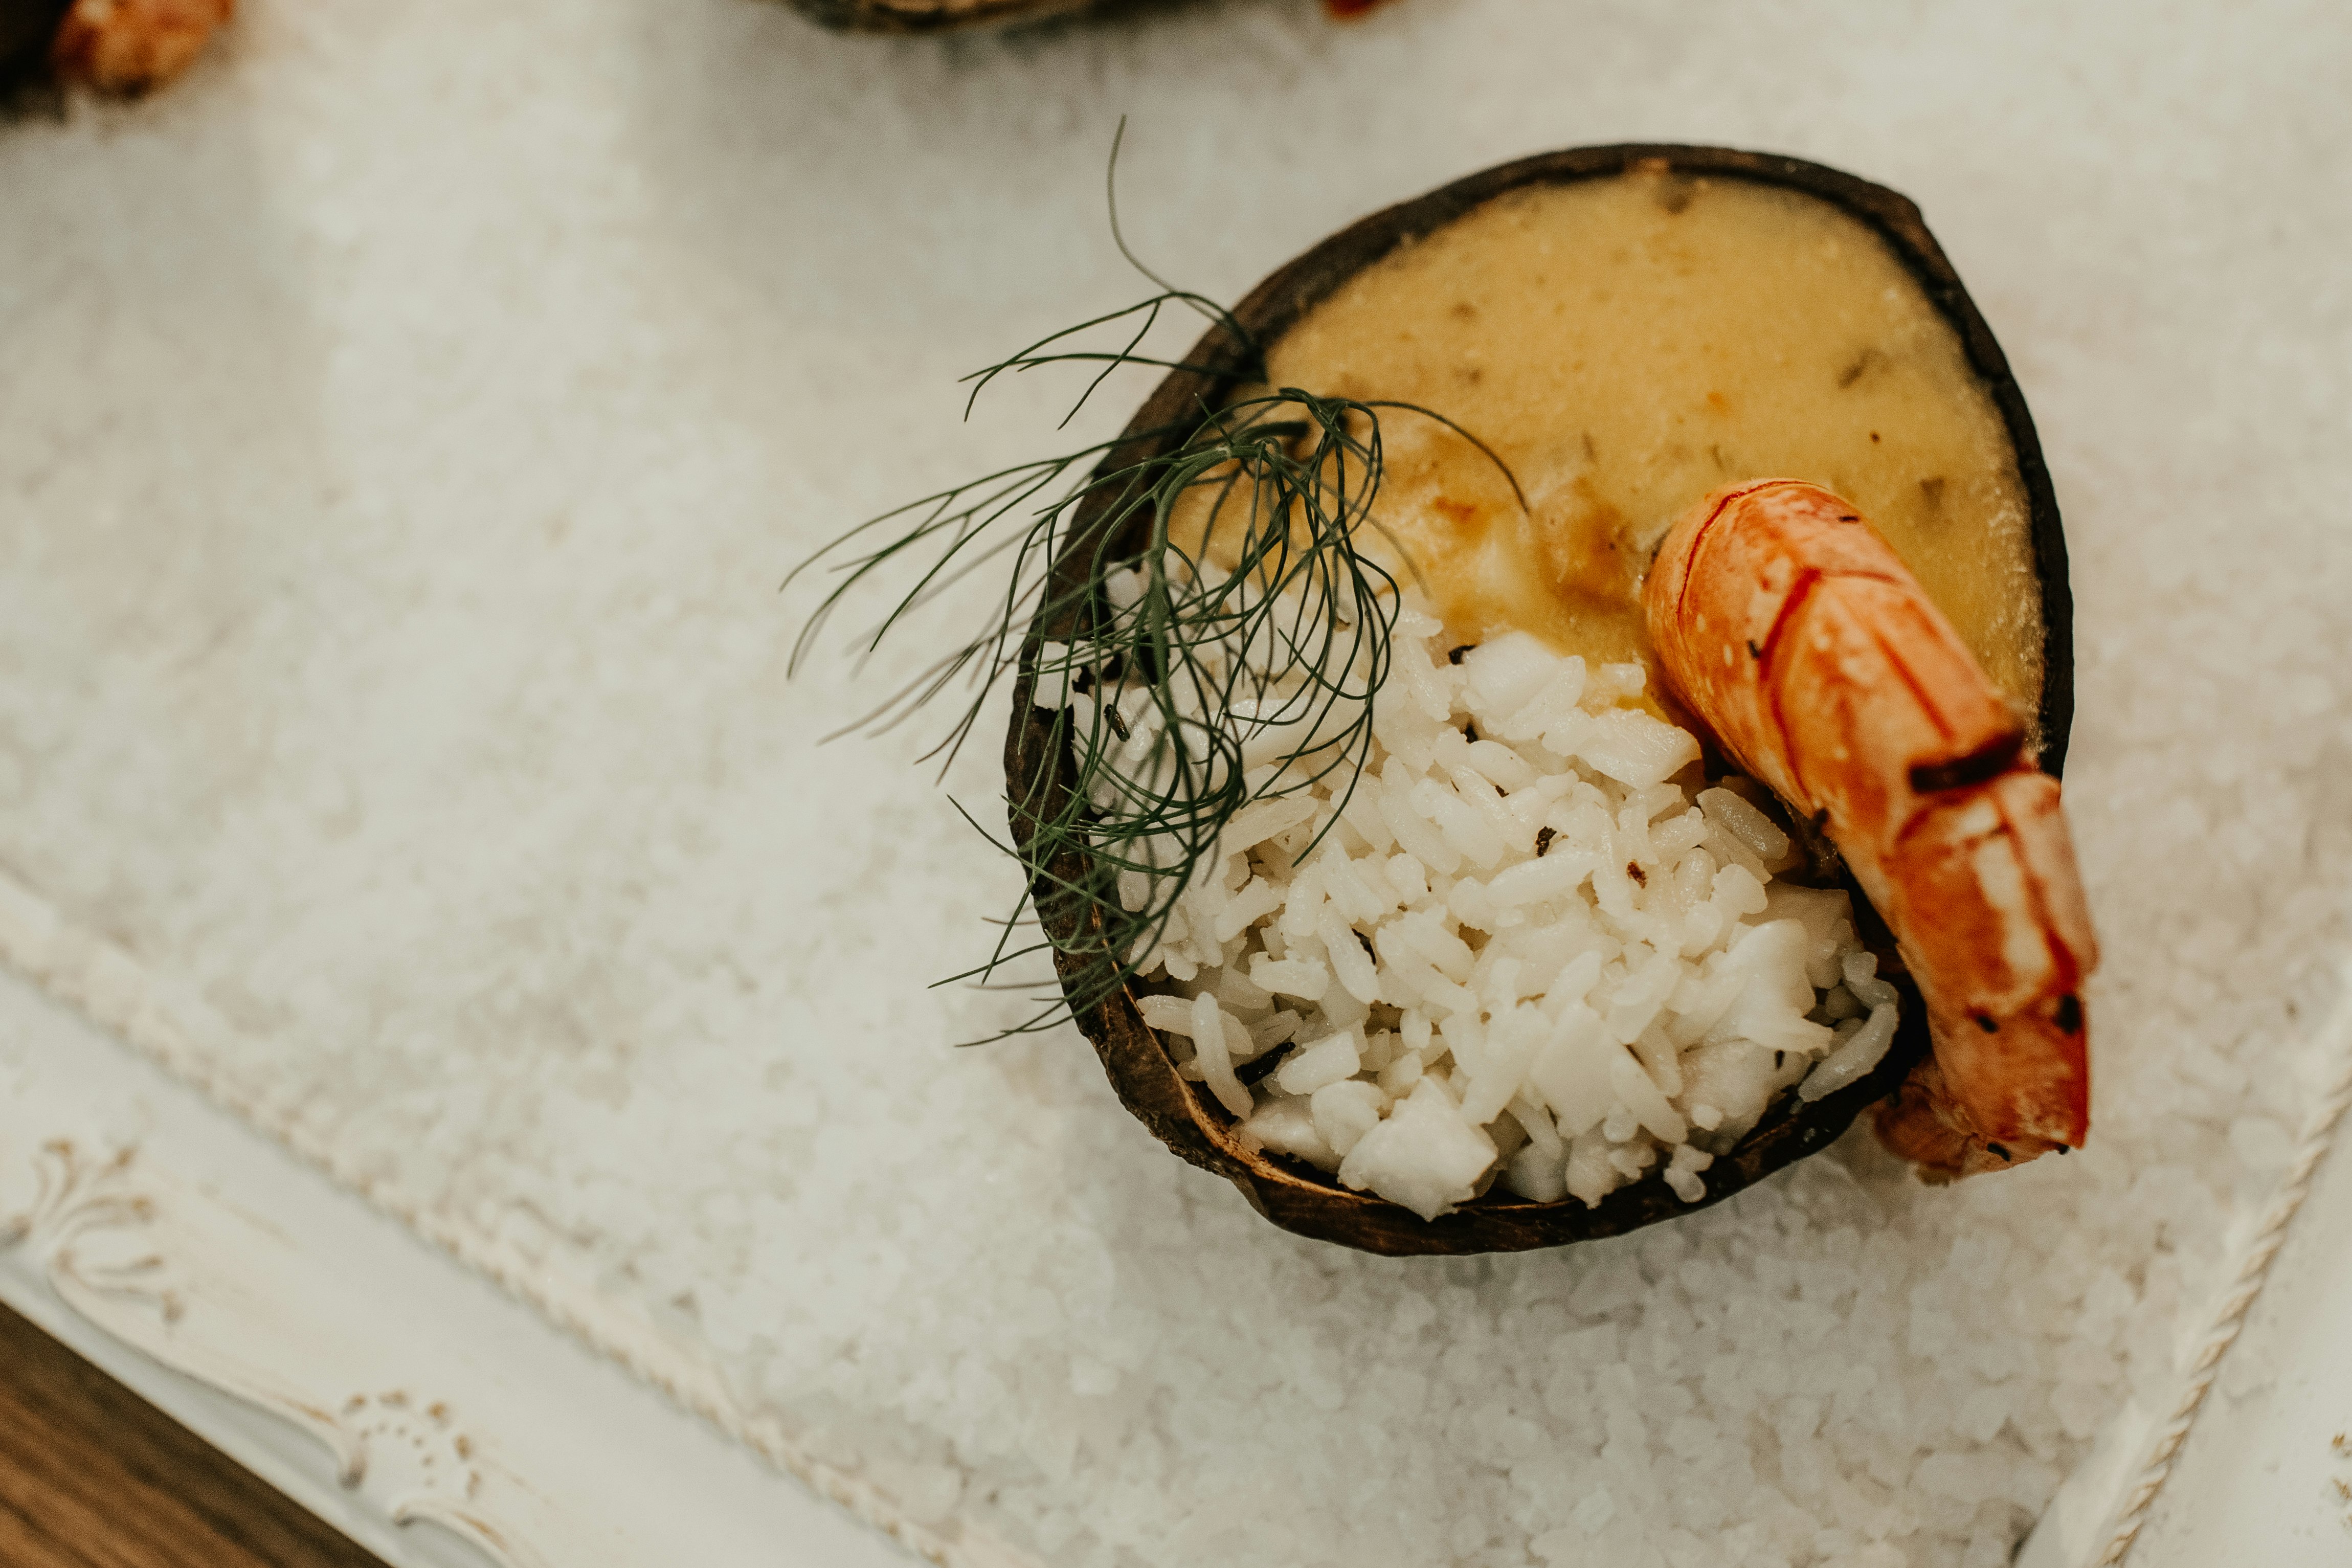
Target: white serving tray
(404,1400)
(331,1349)
(396,1394)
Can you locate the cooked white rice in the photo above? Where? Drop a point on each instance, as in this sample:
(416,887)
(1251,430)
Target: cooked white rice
(1534,945)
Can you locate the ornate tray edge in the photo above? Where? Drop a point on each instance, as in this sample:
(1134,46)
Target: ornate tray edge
(141,1266)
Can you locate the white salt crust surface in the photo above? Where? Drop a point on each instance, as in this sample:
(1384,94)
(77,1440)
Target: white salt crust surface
(407,421)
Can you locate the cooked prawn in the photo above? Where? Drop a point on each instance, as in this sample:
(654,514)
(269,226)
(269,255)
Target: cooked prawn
(132,46)
(1793,630)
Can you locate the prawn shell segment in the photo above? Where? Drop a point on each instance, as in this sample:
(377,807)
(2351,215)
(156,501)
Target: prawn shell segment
(1799,637)
(1983,894)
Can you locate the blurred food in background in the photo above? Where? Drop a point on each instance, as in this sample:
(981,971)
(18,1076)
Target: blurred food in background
(124,47)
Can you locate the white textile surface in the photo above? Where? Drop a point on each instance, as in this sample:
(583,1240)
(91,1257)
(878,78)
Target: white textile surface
(406,422)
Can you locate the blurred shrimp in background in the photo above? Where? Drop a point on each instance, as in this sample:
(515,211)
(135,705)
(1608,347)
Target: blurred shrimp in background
(124,47)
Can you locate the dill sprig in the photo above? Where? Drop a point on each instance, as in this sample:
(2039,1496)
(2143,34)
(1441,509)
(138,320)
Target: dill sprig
(1179,689)
(1185,689)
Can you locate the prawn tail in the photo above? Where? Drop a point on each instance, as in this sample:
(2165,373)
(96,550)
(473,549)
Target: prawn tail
(2001,941)
(1925,1123)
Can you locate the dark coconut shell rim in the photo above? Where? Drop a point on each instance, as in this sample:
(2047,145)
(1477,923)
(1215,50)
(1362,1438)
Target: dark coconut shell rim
(929,15)
(1294,1196)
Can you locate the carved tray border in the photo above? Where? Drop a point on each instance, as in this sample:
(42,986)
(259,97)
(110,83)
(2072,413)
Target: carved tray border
(145,1259)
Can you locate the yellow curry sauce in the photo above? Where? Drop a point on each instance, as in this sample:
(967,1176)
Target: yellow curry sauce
(1626,346)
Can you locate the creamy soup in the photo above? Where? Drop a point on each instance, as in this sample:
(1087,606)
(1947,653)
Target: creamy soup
(1625,345)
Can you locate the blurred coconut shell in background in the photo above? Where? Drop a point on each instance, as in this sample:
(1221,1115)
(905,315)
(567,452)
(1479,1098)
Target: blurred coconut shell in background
(1182,1113)
(929,15)
(935,15)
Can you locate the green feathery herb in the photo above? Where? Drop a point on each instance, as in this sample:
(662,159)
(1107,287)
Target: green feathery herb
(1181,690)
